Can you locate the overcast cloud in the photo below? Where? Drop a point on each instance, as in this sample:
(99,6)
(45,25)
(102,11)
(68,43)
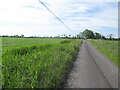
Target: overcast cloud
(29,17)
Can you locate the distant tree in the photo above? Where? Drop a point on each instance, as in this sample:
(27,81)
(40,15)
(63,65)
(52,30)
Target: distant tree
(22,35)
(69,36)
(4,35)
(80,35)
(16,36)
(103,37)
(88,34)
(75,37)
(64,35)
(97,35)
(110,36)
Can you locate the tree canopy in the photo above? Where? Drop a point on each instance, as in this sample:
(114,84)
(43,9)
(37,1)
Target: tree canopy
(89,34)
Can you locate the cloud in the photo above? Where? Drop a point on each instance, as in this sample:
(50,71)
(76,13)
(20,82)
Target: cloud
(29,17)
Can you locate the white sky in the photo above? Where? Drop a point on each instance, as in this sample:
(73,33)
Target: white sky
(30,18)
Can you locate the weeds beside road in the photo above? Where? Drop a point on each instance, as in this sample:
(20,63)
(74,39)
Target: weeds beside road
(37,65)
(108,48)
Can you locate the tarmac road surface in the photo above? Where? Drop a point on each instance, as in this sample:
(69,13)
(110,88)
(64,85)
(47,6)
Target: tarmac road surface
(92,70)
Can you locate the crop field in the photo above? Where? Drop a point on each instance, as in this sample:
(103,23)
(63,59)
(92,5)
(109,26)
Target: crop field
(108,48)
(37,62)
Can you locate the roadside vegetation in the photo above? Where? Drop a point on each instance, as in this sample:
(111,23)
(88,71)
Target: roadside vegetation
(41,62)
(106,45)
(36,62)
(108,48)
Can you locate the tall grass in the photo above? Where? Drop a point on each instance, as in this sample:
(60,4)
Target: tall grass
(108,48)
(38,65)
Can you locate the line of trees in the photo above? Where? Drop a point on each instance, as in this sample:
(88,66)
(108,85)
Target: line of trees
(89,34)
(86,34)
(13,36)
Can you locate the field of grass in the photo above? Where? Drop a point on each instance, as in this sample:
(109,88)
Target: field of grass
(108,48)
(36,62)
(12,42)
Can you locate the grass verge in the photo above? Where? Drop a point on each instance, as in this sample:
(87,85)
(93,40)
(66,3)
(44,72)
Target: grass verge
(38,65)
(108,48)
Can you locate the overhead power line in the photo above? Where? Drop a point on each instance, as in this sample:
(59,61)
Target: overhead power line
(56,17)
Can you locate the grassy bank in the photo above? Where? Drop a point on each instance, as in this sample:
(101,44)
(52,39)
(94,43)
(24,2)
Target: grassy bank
(38,63)
(108,48)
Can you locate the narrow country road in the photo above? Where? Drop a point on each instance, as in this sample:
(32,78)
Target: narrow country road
(92,70)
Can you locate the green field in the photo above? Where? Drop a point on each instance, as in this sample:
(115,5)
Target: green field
(12,42)
(108,48)
(37,62)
